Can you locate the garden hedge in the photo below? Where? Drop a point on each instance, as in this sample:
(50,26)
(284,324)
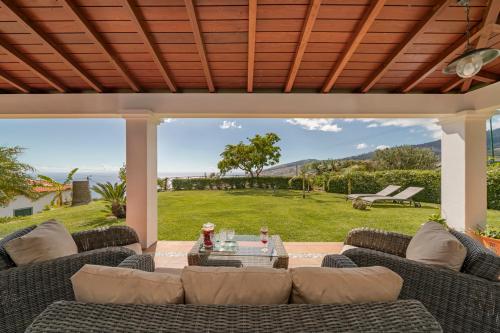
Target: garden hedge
(372,182)
(232,183)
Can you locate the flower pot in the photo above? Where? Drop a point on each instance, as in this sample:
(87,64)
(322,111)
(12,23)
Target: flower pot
(491,243)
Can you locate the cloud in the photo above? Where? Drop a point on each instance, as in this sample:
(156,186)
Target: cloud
(349,120)
(168,120)
(381,147)
(496,123)
(320,124)
(361,145)
(427,123)
(229,124)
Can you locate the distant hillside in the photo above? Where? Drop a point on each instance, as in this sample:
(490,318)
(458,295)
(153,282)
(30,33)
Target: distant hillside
(289,169)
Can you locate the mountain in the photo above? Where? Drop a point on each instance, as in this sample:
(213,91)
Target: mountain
(289,169)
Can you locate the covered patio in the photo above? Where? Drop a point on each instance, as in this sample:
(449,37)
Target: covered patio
(148,60)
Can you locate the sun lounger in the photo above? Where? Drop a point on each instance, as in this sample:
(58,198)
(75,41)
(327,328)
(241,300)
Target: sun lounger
(402,197)
(385,192)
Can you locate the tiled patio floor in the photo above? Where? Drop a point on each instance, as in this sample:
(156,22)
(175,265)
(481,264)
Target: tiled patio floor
(173,254)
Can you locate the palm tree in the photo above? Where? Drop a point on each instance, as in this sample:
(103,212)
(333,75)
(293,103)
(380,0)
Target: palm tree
(114,194)
(307,178)
(58,187)
(14,175)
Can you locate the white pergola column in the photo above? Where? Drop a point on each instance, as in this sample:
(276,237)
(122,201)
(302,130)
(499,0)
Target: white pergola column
(463,170)
(141,160)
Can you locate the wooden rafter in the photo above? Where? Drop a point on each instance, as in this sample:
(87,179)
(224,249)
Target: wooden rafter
(491,15)
(29,26)
(199,43)
(483,76)
(141,27)
(304,39)
(360,33)
(450,52)
(452,84)
(414,35)
(252,28)
(7,48)
(72,8)
(14,82)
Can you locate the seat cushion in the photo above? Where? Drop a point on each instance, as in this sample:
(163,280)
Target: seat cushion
(325,285)
(5,260)
(50,240)
(115,285)
(434,245)
(479,260)
(231,285)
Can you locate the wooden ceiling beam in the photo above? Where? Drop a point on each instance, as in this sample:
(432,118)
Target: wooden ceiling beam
(304,39)
(403,47)
(150,44)
(14,82)
(7,48)
(199,43)
(21,18)
(71,7)
(360,33)
(490,17)
(450,52)
(252,30)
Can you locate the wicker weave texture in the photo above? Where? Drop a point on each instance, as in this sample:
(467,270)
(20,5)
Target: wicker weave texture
(400,316)
(379,240)
(337,261)
(460,302)
(105,237)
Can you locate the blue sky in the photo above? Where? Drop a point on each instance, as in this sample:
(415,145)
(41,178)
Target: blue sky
(194,145)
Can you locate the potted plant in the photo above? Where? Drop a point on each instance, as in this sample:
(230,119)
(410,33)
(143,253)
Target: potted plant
(490,237)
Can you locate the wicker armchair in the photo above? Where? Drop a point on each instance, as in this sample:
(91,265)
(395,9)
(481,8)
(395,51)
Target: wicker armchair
(460,302)
(26,291)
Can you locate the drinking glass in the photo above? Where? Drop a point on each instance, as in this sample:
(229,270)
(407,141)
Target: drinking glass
(230,234)
(264,238)
(223,237)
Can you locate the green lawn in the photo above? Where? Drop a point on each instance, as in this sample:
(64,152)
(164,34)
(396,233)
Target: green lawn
(319,217)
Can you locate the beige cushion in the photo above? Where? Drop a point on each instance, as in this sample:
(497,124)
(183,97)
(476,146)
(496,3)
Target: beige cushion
(348,247)
(49,240)
(136,247)
(325,285)
(230,285)
(102,284)
(434,245)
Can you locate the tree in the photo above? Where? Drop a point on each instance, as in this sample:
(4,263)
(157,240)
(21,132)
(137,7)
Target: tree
(114,195)
(252,157)
(58,187)
(405,158)
(307,176)
(14,175)
(122,173)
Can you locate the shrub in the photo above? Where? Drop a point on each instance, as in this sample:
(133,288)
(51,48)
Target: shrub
(372,182)
(234,183)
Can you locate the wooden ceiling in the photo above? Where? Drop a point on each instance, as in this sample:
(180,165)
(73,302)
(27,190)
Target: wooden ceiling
(251,45)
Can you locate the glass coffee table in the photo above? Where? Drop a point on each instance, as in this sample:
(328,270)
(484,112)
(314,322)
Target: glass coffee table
(243,251)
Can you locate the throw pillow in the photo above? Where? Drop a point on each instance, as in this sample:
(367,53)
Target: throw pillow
(136,247)
(102,284)
(50,240)
(325,285)
(434,245)
(231,285)
(5,260)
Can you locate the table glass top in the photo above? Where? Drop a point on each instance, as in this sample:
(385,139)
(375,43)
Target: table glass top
(241,245)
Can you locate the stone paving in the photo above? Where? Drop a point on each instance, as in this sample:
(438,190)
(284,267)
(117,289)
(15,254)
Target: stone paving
(173,254)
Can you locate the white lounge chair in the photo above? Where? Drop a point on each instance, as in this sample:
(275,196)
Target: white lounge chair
(402,197)
(383,193)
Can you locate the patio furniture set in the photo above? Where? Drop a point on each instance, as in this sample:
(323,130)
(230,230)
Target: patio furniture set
(40,298)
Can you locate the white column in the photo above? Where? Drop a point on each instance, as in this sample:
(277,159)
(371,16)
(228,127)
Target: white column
(141,160)
(463,170)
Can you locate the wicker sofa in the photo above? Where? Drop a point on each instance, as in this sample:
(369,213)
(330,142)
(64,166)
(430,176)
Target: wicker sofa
(27,290)
(399,316)
(466,301)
